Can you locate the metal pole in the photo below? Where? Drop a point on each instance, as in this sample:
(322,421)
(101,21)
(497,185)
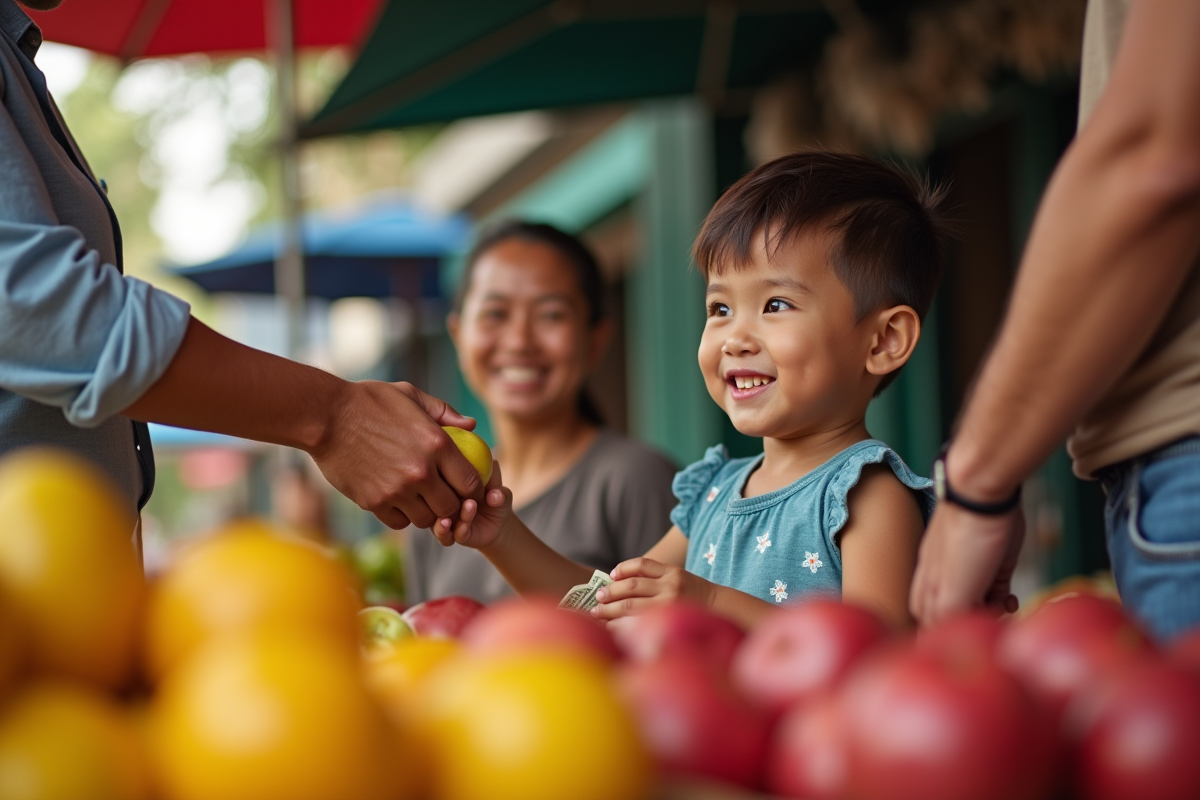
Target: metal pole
(289,264)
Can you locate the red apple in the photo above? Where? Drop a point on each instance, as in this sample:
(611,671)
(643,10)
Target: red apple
(803,650)
(972,632)
(693,722)
(443,618)
(1184,650)
(1068,643)
(537,624)
(1136,734)
(679,629)
(808,757)
(930,727)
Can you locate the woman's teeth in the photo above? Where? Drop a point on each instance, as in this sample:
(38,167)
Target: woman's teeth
(749,382)
(519,374)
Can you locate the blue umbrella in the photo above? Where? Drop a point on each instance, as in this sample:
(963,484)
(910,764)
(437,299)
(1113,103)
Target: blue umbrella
(386,248)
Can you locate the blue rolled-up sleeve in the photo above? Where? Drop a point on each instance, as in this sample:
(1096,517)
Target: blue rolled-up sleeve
(74,332)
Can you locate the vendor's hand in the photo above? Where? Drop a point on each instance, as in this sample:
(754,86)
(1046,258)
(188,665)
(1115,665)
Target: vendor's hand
(385,449)
(966,561)
(642,583)
(478,525)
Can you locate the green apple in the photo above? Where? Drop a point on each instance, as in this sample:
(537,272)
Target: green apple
(381,628)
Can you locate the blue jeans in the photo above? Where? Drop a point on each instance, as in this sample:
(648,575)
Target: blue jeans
(1152,516)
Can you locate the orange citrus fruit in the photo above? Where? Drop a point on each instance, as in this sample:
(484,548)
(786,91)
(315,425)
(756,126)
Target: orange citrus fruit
(542,726)
(247,577)
(395,676)
(273,715)
(12,645)
(474,448)
(66,742)
(68,563)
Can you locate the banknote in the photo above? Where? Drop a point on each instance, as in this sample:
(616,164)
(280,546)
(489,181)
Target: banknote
(583,596)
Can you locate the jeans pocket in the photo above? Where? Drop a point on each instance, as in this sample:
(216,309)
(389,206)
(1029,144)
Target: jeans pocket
(1164,508)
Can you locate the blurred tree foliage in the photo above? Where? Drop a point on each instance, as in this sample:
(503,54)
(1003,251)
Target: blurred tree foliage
(119,137)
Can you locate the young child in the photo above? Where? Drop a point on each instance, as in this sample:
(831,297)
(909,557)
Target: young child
(819,267)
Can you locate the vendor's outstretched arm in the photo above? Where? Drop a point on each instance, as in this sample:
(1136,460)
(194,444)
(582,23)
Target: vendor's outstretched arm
(1114,239)
(378,443)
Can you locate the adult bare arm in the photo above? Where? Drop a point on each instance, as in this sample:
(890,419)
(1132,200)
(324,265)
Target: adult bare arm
(1117,233)
(378,443)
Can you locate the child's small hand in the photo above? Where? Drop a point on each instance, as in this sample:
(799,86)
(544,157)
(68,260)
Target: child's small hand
(641,583)
(478,526)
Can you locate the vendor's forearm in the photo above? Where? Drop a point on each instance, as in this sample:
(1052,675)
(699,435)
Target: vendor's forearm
(217,384)
(530,566)
(1117,234)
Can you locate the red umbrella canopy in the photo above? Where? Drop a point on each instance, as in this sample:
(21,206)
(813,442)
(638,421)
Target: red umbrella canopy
(140,28)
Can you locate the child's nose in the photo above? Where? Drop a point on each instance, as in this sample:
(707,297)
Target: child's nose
(739,342)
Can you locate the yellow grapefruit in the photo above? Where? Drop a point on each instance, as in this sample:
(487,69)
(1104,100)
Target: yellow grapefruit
(247,577)
(65,742)
(530,727)
(68,563)
(273,716)
(396,675)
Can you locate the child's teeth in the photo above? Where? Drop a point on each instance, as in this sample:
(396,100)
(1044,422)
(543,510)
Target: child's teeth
(749,383)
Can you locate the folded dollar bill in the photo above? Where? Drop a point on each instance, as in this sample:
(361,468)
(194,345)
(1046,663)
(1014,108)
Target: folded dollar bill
(583,596)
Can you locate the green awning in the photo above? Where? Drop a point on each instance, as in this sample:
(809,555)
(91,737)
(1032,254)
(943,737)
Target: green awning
(439,61)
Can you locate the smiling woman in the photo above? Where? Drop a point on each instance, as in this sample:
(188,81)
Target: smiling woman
(529,326)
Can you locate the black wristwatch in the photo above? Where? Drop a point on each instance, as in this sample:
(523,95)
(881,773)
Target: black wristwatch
(941,487)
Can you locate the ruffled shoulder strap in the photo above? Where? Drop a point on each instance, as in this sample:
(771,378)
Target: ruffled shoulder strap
(692,484)
(849,473)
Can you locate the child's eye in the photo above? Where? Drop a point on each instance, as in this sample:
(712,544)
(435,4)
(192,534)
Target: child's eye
(718,310)
(775,305)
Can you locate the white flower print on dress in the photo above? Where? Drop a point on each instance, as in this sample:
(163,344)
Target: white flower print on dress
(812,562)
(764,542)
(711,555)
(712,494)
(779,591)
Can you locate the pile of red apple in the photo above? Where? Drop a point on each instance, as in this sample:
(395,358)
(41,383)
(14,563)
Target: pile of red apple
(822,702)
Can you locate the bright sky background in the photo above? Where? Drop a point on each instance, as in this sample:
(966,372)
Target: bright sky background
(202,211)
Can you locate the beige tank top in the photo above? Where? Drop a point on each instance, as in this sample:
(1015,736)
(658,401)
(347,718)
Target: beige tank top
(1158,400)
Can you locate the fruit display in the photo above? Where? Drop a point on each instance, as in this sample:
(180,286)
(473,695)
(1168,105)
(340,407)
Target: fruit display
(253,668)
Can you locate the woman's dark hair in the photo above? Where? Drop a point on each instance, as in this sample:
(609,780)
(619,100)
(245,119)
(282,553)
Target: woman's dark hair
(575,252)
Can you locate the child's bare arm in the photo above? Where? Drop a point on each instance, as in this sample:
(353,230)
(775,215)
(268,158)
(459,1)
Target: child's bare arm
(879,546)
(659,578)
(527,563)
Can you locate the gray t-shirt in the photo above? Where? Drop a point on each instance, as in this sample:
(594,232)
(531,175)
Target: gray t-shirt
(614,504)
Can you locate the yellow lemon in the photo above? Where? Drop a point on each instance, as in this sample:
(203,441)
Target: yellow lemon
(65,742)
(475,449)
(247,577)
(274,716)
(68,564)
(530,727)
(396,675)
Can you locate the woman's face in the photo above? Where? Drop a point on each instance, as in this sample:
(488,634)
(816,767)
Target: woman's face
(524,342)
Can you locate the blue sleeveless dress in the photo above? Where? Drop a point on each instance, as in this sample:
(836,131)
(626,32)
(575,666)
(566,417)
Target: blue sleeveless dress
(779,546)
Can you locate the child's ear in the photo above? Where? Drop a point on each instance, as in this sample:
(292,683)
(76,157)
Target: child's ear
(452,326)
(893,340)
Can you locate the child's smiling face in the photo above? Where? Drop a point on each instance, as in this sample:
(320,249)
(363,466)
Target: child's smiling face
(782,353)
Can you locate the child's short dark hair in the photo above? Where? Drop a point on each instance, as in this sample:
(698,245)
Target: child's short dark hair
(887,225)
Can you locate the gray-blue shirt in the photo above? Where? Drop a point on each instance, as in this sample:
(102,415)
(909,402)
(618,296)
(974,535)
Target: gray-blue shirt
(783,545)
(79,341)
